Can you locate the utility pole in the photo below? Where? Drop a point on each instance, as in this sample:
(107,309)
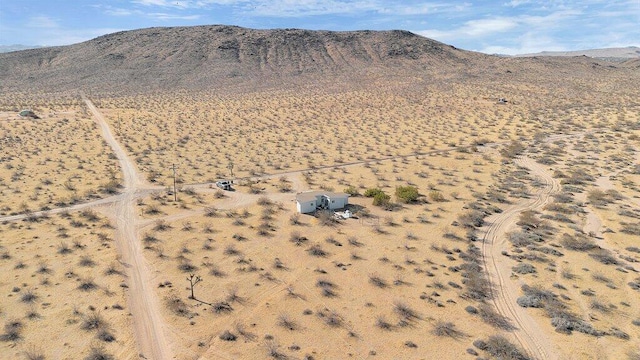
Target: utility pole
(175,194)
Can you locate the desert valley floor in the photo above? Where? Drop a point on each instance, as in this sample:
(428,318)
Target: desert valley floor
(523,242)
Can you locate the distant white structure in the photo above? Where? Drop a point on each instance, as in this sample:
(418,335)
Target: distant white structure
(310,201)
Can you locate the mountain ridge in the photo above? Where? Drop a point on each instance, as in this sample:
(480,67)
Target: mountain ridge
(224,57)
(611,54)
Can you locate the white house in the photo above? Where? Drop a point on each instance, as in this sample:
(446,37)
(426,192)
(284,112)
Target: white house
(310,201)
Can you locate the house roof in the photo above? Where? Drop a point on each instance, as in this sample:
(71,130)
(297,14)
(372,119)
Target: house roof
(312,195)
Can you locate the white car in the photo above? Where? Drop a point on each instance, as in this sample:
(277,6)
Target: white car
(224,184)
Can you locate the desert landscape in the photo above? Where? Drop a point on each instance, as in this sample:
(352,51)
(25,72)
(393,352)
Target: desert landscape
(495,201)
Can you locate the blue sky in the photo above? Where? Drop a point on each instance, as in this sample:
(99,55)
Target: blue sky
(508,27)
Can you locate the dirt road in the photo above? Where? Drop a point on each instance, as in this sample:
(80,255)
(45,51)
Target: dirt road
(143,303)
(498,267)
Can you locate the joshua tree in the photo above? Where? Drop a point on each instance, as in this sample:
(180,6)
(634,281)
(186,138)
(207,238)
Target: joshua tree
(193,280)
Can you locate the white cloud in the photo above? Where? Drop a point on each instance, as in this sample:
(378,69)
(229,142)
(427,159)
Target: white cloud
(119,12)
(516,3)
(42,21)
(71,36)
(165,16)
(473,29)
(485,27)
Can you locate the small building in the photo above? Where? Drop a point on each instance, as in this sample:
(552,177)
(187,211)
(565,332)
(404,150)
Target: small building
(310,201)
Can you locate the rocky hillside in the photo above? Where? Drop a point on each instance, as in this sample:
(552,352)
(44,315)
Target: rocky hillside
(206,56)
(225,57)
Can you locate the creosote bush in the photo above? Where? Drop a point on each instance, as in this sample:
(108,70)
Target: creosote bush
(407,194)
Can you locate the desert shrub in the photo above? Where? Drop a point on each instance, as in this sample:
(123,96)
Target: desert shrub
(524,268)
(523,238)
(381,199)
(330,317)
(616,332)
(512,150)
(605,257)
(28,296)
(316,250)
(93,321)
(351,191)
(377,281)
(87,285)
(372,192)
(106,335)
(528,220)
(446,328)
(501,348)
(407,194)
(578,242)
(326,218)
(221,307)
(34,354)
(12,331)
(436,196)
(177,306)
(564,198)
(598,198)
(493,318)
(228,336)
(297,238)
(382,323)
(98,353)
(477,285)
(560,208)
(471,219)
(286,322)
(536,297)
(405,312)
(630,228)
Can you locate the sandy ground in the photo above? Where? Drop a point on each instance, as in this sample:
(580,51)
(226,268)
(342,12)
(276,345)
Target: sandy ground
(382,285)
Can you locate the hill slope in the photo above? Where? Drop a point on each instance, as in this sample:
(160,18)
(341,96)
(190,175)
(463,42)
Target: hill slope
(229,57)
(206,56)
(610,54)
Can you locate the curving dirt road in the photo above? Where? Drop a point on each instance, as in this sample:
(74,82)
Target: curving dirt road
(143,303)
(506,291)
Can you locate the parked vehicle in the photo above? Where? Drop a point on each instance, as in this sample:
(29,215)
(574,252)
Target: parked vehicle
(224,184)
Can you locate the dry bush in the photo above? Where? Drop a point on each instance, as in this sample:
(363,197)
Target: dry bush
(378,281)
(500,348)
(578,242)
(93,321)
(177,306)
(287,322)
(98,353)
(445,328)
(12,331)
(228,336)
(316,250)
(382,323)
(605,257)
(472,219)
(493,318)
(524,268)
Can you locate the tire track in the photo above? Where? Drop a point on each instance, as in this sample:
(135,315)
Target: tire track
(505,291)
(143,304)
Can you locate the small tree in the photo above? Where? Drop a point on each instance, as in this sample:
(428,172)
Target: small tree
(407,194)
(193,280)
